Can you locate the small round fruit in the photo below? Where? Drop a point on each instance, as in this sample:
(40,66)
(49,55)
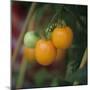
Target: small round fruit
(29,54)
(62,37)
(61,53)
(45,52)
(30,39)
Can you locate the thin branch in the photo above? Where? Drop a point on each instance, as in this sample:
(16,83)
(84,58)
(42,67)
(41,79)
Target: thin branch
(83,62)
(84,59)
(27,27)
(21,73)
(24,29)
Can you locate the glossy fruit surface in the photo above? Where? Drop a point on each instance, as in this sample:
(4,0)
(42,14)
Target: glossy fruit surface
(30,39)
(62,37)
(45,52)
(29,54)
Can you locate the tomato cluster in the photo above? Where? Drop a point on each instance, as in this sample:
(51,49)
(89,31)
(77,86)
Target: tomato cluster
(46,51)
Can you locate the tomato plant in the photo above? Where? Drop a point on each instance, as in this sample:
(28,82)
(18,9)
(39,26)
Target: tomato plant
(53,53)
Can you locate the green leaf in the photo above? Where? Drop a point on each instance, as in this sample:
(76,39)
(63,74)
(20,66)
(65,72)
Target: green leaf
(80,76)
(54,82)
(41,76)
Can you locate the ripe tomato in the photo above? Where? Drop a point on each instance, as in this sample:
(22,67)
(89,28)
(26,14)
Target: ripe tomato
(62,37)
(45,52)
(29,54)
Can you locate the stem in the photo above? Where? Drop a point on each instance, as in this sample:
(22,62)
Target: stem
(21,73)
(27,26)
(83,62)
(53,18)
(38,25)
(24,29)
(50,22)
(31,25)
(84,59)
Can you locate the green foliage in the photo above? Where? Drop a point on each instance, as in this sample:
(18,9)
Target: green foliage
(76,17)
(41,76)
(80,76)
(54,82)
(74,60)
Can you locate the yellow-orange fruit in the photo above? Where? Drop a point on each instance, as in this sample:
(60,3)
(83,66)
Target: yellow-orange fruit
(29,54)
(62,37)
(45,52)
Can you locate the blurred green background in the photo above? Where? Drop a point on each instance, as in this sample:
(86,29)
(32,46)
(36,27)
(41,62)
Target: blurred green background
(58,74)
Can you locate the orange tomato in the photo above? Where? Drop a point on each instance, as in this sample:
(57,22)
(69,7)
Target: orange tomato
(62,37)
(29,54)
(45,52)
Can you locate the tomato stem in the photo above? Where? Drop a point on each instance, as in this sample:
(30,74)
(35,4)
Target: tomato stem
(83,62)
(21,73)
(24,29)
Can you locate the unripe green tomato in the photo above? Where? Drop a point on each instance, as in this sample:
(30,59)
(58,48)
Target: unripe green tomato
(30,39)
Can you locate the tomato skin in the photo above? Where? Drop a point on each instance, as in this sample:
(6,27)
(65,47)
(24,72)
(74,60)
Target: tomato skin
(29,54)
(45,52)
(30,39)
(62,37)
